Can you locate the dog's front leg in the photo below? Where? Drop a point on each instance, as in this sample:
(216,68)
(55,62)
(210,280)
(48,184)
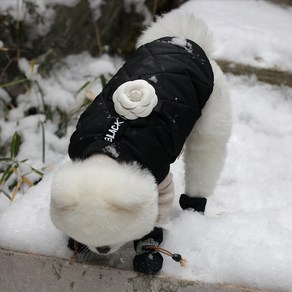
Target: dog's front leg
(205,151)
(150,261)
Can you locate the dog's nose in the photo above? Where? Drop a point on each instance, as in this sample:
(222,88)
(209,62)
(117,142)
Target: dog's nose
(103,249)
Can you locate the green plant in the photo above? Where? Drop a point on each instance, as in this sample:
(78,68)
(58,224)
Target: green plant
(12,177)
(65,117)
(16,172)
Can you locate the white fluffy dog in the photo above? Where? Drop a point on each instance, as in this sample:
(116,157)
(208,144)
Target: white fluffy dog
(103,201)
(100,202)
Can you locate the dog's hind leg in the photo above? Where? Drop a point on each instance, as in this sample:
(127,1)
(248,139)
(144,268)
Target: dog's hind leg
(205,151)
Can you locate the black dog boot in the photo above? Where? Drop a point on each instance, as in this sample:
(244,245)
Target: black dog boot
(147,260)
(197,204)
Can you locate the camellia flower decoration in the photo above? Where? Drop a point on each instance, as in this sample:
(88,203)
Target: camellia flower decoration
(134,99)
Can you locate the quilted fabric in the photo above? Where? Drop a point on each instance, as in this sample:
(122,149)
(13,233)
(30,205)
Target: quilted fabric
(183,80)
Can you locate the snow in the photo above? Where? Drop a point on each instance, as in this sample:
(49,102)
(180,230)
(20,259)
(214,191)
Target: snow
(63,93)
(18,9)
(153,79)
(112,151)
(26,224)
(245,236)
(182,42)
(139,7)
(95,6)
(252,32)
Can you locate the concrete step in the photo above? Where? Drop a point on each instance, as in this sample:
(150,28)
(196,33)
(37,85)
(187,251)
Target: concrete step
(267,75)
(27,272)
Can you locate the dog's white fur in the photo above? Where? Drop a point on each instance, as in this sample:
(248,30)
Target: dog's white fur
(178,24)
(101,202)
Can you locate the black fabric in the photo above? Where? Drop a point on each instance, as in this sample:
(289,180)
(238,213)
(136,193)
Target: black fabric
(148,262)
(156,235)
(183,81)
(197,204)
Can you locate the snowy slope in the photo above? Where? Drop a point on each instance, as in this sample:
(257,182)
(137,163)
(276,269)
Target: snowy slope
(246,235)
(251,32)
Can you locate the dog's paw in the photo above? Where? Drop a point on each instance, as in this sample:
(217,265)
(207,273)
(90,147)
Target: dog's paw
(149,263)
(76,246)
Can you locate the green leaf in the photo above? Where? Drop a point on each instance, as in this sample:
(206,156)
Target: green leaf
(6,174)
(37,171)
(6,194)
(12,83)
(15,145)
(5,159)
(102,80)
(83,86)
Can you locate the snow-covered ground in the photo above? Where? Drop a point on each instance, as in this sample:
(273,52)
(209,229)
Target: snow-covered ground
(252,32)
(245,236)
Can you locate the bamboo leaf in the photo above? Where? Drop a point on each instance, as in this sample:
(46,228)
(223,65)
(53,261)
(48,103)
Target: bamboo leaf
(37,171)
(12,83)
(102,80)
(32,64)
(83,86)
(5,159)
(43,142)
(90,95)
(27,181)
(6,174)
(15,145)
(6,194)
(15,190)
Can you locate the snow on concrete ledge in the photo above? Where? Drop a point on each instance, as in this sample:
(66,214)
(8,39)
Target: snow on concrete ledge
(31,272)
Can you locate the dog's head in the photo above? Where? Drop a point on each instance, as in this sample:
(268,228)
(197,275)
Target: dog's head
(102,203)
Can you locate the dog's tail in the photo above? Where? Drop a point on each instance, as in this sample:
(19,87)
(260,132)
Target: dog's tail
(179,24)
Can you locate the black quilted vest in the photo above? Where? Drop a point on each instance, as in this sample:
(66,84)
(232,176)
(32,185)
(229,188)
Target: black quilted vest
(183,80)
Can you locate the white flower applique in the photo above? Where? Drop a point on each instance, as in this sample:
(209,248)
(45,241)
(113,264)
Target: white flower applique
(134,99)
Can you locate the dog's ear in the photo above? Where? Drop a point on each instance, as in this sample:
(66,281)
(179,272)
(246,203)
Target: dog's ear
(64,200)
(134,189)
(64,193)
(127,202)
